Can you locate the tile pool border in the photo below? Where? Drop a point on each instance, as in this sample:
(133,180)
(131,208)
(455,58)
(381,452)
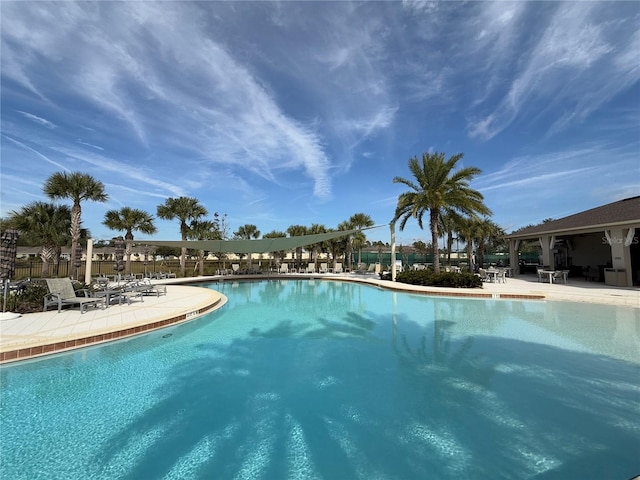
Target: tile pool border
(27,353)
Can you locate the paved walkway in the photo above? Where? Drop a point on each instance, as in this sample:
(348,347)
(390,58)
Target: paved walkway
(37,334)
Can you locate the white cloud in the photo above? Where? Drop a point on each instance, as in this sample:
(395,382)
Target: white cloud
(36,119)
(573,62)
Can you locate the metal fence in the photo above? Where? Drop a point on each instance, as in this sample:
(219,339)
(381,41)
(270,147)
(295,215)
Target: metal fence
(100,268)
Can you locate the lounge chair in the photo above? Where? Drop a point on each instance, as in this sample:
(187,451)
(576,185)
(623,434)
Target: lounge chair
(311,268)
(235,267)
(338,268)
(131,291)
(284,268)
(323,268)
(61,293)
(372,268)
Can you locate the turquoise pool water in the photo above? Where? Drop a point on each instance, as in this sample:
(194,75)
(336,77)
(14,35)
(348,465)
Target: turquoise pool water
(332,380)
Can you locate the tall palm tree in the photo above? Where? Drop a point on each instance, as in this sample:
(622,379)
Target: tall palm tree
(78,187)
(297,231)
(46,225)
(437,188)
(185,209)
(129,220)
(360,221)
(467,228)
(203,230)
(247,232)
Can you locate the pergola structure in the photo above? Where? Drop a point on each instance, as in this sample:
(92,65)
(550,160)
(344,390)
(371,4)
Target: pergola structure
(605,236)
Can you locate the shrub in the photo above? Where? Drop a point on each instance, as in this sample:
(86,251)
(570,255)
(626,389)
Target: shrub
(27,300)
(445,279)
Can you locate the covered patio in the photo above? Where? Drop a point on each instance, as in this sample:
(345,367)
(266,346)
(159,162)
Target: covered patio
(600,244)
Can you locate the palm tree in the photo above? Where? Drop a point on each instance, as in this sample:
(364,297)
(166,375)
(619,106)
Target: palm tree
(185,209)
(437,189)
(297,231)
(487,233)
(247,232)
(336,246)
(46,225)
(78,187)
(129,220)
(281,254)
(467,228)
(359,221)
(315,229)
(203,230)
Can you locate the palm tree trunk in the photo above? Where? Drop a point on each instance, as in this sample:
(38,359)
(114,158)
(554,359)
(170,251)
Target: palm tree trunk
(201,262)
(74,230)
(434,239)
(47,254)
(127,266)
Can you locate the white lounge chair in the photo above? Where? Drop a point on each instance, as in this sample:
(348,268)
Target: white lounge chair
(311,268)
(323,268)
(338,268)
(235,267)
(284,268)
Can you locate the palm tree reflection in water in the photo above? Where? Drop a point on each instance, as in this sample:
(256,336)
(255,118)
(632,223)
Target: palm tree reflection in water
(320,395)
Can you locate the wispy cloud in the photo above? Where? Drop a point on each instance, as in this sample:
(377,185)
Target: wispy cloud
(36,119)
(89,144)
(573,62)
(36,153)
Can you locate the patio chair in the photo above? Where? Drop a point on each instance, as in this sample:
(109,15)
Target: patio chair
(484,276)
(235,267)
(323,268)
(560,276)
(338,268)
(61,293)
(372,268)
(311,268)
(284,268)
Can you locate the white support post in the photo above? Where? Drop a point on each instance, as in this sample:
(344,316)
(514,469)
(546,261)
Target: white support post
(393,251)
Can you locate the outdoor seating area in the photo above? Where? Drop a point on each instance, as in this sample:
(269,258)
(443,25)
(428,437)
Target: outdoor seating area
(548,275)
(493,275)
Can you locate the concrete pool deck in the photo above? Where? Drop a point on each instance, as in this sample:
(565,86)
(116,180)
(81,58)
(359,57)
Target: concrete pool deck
(42,333)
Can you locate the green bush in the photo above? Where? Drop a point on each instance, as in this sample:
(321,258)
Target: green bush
(445,279)
(28,300)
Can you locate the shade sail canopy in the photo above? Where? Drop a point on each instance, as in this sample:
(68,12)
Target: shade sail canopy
(263,245)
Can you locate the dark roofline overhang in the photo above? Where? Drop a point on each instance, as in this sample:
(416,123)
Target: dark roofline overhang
(574,231)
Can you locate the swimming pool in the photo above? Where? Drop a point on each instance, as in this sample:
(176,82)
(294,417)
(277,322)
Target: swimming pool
(336,380)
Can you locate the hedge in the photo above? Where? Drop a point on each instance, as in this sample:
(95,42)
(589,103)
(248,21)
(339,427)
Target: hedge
(445,279)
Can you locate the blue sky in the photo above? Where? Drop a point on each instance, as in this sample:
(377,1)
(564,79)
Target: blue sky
(283,113)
